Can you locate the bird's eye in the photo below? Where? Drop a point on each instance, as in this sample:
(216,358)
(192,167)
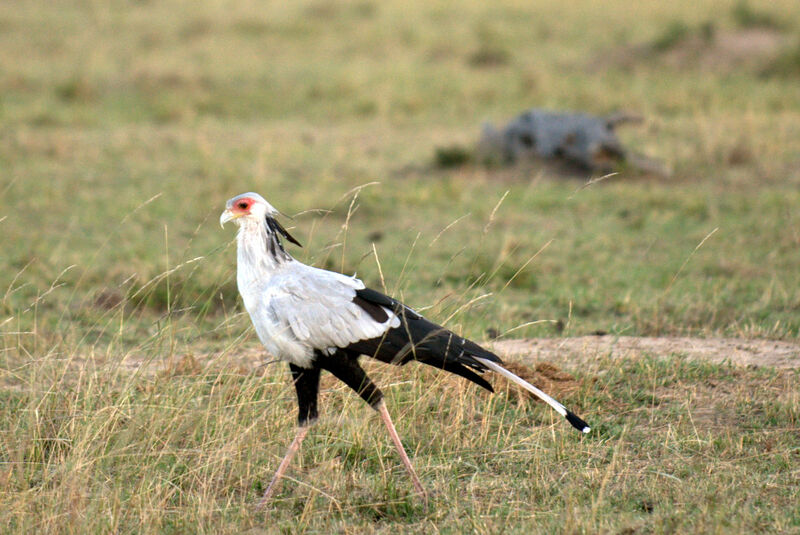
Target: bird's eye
(242,205)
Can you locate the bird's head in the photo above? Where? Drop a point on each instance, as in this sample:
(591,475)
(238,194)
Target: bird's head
(247,206)
(250,210)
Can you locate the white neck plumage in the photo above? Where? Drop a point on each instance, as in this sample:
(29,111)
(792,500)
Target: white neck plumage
(259,251)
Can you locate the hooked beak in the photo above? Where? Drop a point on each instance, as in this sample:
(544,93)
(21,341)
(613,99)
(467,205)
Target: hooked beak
(226,216)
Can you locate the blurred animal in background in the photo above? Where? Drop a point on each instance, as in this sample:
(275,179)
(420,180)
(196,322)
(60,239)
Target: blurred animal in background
(578,139)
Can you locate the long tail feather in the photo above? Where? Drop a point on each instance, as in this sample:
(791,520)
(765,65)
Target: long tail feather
(571,417)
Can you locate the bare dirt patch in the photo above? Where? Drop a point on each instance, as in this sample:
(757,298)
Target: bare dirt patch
(544,375)
(539,359)
(574,352)
(722,50)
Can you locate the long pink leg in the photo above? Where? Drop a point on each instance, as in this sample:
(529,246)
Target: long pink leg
(399,445)
(293,448)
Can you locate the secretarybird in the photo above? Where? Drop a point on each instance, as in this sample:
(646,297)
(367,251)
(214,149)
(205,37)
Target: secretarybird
(316,320)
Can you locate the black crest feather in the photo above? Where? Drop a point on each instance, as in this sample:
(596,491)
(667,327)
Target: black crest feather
(277,228)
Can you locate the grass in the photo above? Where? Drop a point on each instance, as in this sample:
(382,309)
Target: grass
(747,17)
(673,441)
(123,129)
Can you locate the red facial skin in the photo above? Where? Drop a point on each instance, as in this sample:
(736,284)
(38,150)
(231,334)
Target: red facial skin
(242,206)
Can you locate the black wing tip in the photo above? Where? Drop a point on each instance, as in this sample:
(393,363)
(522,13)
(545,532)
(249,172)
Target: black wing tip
(577,423)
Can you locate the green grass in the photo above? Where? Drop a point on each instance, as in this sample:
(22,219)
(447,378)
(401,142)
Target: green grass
(747,17)
(124,127)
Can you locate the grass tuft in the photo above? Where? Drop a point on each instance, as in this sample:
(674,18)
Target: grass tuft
(452,156)
(786,65)
(746,16)
(673,34)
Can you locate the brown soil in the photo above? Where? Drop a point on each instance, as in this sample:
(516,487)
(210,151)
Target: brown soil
(539,359)
(544,375)
(580,351)
(725,51)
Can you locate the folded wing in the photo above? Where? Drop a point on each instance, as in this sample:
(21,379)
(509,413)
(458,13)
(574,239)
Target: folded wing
(325,311)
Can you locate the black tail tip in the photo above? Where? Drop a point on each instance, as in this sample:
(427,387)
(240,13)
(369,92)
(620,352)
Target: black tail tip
(577,423)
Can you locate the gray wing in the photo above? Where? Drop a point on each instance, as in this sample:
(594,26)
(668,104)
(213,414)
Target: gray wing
(317,307)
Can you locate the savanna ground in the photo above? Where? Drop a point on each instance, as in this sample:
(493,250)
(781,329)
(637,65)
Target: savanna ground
(133,394)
